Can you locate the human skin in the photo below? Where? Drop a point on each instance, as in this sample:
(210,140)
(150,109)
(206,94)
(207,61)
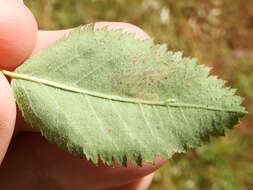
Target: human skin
(31,162)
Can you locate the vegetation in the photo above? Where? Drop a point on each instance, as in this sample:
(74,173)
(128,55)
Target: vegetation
(219,33)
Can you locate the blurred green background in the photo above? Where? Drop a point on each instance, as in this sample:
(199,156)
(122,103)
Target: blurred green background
(220,34)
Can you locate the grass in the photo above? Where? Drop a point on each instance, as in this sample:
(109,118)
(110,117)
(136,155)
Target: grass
(219,33)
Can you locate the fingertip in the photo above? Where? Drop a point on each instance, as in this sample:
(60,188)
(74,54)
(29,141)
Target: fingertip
(144,183)
(8,115)
(127,28)
(47,38)
(18,33)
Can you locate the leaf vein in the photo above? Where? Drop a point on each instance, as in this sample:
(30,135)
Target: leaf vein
(147,122)
(114,97)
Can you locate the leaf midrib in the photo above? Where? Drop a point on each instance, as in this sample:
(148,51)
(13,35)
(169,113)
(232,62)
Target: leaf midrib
(20,76)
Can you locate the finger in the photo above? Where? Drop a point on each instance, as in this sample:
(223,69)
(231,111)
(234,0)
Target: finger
(41,165)
(7,115)
(140,184)
(47,38)
(18,33)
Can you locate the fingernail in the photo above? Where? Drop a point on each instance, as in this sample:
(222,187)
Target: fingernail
(145,182)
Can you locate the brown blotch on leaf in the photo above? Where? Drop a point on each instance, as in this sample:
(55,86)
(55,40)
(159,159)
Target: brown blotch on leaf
(189,85)
(158,127)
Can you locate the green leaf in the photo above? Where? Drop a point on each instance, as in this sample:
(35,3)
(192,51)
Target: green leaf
(105,95)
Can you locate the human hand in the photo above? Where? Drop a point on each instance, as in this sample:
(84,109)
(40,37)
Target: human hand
(31,162)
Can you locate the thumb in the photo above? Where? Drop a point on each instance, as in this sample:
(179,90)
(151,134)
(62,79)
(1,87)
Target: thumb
(18,33)
(7,115)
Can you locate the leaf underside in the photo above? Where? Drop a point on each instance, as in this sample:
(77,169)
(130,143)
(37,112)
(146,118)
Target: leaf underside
(104,95)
